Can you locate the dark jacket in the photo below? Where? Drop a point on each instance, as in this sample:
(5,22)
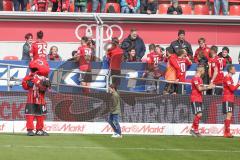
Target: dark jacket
(228,58)
(25,52)
(148,6)
(171,9)
(138,44)
(177,45)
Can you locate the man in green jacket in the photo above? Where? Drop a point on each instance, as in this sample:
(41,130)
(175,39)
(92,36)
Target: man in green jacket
(115,112)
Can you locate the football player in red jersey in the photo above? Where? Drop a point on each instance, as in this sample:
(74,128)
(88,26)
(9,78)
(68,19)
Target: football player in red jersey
(39,48)
(155,56)
(216,66)
(228,99)
(202,48)
(84,57)
(197,99)
(153,71)
(37,83)
(183,62)
(41,5)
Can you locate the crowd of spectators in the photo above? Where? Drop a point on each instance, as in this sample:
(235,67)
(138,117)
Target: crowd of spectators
(178,56)
(123,6)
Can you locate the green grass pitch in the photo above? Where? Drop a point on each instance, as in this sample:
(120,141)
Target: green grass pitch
(130,147)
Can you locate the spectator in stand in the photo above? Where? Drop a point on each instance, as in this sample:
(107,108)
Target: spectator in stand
(1,5)
(134,41)
(148,7)
(95,5)
(221,4)
(239,58)
(63,5)
(54,5)
(130,6)
(225,54)
(174,8)
(114,54)
(53,54)
(27,47)
(131,56)
(181,43)
(41,5)
(74,53)
(202,48)
(80,5)
(18,3)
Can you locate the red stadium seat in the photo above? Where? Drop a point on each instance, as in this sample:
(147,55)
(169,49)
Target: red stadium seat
(163,8)
(201,9)
(115,5)
(89,7)
(11,58)
(234,10)
(187,9)
(7,5)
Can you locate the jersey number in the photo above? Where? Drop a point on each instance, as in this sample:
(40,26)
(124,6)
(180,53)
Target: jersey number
(42,49)
(220,60)
(182,67)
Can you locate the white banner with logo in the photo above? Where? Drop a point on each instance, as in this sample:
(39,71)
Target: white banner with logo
(127,128)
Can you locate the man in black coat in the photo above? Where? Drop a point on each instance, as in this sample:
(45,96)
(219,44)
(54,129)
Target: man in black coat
(134,41)
(181,43)
(174,8)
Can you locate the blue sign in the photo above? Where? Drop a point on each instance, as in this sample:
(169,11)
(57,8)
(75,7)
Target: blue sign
(67,73)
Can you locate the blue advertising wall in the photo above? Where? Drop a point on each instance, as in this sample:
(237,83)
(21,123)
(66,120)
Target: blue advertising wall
(70,79)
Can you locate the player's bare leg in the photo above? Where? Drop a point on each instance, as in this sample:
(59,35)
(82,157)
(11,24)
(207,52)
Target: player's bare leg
(195,125)
(227,123)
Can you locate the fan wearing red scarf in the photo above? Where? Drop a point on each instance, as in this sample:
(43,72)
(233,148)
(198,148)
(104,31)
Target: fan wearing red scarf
(37,83)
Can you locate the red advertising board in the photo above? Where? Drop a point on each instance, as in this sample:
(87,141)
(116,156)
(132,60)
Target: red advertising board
(151,33)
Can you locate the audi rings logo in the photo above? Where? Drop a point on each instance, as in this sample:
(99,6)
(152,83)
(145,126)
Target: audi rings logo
(108,31)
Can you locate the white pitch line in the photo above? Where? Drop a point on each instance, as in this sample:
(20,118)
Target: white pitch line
(123,148)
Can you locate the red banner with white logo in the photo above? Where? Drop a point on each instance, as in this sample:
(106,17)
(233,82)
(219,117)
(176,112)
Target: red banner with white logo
(151,33)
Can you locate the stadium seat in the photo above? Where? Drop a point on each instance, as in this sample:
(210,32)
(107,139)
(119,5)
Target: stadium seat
(89,7)
(11,58)
(201,9)
(163,8)
(234,10)
(115,5)
(7,5)
(187,9)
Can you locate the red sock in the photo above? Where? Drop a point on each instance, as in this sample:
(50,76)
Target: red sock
(195,123)
(227,123)
(40,122)
(29,124)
